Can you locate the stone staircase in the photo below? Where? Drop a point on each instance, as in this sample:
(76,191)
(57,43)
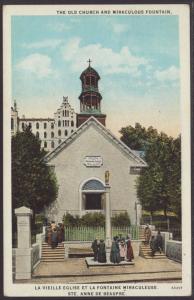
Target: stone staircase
(145,251)
(52,255)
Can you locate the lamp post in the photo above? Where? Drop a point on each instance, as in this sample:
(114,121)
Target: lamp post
(108,216)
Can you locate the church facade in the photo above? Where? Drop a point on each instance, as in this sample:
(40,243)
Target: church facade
(81,161)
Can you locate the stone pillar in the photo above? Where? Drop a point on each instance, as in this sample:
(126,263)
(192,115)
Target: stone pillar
(24,250)
(108,222)
(138,213)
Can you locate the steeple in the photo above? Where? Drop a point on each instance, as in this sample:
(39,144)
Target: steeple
(90,97)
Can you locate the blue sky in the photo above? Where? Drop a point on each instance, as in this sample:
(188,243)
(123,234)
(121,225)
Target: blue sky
(137,58)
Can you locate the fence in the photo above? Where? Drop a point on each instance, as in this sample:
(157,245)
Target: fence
(89,233)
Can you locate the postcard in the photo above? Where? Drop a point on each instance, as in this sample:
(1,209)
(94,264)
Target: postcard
(97,155)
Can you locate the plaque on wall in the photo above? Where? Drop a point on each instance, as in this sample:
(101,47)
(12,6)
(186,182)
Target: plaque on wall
(93,161)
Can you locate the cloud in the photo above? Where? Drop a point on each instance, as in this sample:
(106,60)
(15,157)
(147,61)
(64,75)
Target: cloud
(37,64)
(59,27)
(119,28)
(48,43)
(170,74)
(105,58)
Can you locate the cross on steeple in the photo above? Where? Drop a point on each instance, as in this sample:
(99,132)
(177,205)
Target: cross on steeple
(89,61)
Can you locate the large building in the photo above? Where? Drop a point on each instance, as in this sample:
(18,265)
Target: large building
(51,131)
(80,163)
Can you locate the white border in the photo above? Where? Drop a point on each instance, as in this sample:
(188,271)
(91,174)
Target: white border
(163,289)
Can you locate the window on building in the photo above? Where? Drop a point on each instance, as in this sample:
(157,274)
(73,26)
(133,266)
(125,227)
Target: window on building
(72,130)
(12,123)
(63,123)
(93,80)
(23,126)
(66,132)
(52,125)
(59,132)
(37,125)
(45,125)
(88,80)
(30,125)
(67,113)
(37,134)
(45,144)
(67,123)
(52,134)
(45,134)
(72,123)
(52,144)
(63,113)
(59,123)
(59,142)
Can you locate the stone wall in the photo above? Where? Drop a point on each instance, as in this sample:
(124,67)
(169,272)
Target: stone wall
(174,250)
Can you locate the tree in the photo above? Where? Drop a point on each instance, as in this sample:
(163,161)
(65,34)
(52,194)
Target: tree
(159,185)
(33,182)
(138,137)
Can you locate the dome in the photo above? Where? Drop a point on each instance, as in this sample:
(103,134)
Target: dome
(89,71)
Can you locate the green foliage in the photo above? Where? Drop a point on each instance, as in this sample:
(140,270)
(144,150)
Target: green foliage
(93,219)
(89,219)
(33,182)
(121,219)
(159,185)
(138,137)
(96,219)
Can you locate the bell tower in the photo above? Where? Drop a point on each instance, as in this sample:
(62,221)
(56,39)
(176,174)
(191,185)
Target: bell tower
(90,97)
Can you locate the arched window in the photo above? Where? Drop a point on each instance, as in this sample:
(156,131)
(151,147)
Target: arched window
(63,123)
(59,132)
(37,125)
(67,113)
(52,125)
(45,125)
(22,125)
(52,144)
(30,125)
(72,123)
(45,144)
(59,123)
(59,142)
(45,134)
(52,134)
(66,132)
(11,123)
(63,113)
(37,134)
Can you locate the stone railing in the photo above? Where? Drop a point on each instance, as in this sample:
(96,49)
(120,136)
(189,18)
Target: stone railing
(174,250)
(35,256)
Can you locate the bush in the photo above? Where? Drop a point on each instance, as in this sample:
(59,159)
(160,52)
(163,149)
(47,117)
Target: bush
(70,220)
(96,219)
(121,219)
(93,219)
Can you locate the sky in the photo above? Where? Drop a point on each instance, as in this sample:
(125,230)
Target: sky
(137,58)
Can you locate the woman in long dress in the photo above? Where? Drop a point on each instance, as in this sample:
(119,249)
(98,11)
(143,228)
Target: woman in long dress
(102,252)
(114,254)
(122,250)
(130,254)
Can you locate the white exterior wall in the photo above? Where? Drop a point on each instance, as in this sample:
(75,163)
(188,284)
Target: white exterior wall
(71,173)
(57,116)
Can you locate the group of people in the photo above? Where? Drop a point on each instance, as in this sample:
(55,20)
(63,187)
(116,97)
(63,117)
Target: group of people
(121,250)
(54,234)
(155,242)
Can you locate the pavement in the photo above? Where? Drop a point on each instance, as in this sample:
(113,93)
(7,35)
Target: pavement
(75,270)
